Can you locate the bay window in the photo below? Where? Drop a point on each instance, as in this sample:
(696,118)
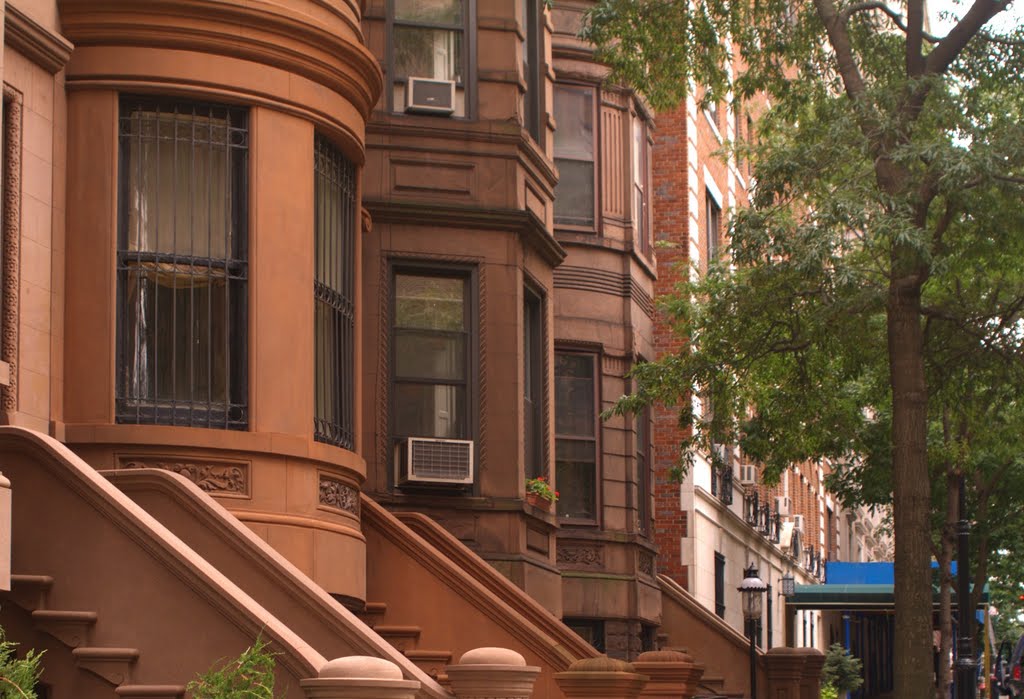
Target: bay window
(576,435)
(575,115)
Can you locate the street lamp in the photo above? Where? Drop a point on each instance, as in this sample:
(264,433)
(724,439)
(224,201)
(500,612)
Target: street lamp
(788,585)
(752,591)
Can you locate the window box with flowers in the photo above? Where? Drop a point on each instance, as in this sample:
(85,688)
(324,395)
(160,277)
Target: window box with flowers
(539,492)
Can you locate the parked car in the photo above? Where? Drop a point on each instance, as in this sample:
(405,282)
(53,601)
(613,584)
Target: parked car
(1007,670)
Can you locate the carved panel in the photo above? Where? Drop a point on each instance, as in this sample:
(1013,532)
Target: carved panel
(538,540)
(338,495)
(645,563)
(214,477)
(433,177)
(581,555)
(613,164)
(12,120)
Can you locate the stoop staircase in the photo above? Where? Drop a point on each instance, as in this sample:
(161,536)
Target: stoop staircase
(406,639)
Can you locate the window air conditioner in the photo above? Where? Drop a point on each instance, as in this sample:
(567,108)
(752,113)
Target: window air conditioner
(782,505)
(798,522)
(435,461)
(748,474)
(426,96)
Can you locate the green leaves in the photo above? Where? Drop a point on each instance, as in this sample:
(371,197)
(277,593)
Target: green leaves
(249,676)
(18,677)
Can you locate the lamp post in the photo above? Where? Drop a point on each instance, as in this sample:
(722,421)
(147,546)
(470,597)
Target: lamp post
(752,590)
(966,669)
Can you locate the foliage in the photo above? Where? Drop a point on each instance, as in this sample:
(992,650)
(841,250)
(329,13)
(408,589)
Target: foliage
(249,676)
(18,676)
(841,670)
(829,691)
(540,486)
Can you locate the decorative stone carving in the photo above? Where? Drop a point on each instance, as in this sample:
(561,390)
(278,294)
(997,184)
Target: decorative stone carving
(583,555)
(213,478)
(339,495)
(645,563)
(12,109)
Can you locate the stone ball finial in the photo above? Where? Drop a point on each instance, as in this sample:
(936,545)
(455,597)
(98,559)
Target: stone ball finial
(601,664)
(664,656)
(361,667)
(492,656)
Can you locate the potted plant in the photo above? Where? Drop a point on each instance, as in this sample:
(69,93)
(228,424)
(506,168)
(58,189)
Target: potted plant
(539,492)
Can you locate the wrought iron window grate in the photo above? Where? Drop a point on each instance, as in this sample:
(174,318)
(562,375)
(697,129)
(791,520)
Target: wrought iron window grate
(334,293)
(181,264)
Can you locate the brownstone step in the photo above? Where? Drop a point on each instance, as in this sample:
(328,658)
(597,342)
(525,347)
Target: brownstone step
(403,638)
(150,691)
(373,613)
(112,664)
(432,662)
(70,628)
(29,591)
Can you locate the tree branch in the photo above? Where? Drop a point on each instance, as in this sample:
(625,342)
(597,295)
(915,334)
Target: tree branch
(967,28)
(835,25)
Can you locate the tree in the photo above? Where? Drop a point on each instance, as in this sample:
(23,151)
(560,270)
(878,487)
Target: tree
(885,235)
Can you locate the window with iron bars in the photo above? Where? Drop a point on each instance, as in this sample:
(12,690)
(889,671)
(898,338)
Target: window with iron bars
(335,210)
(181,264)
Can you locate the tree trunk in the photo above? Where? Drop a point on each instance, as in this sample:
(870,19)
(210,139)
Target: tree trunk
(911,487)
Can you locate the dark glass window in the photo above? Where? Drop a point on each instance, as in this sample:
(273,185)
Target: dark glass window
(574,155)
(181,263)
(576,435)
(643,470)
(428,40)
(719,584)
(533,377)
(334,205)
(431,356)
(641,188)
(712,226)
(590,630)
(533,63)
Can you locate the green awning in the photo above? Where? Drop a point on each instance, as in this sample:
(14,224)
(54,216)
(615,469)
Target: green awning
(855,597)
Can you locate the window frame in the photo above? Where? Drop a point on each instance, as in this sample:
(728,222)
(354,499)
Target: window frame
(533,71)
(643,239)
(595,359)
(712,233)
(644,471)
(720,584)
(593,228)
(152,410)
(469,276)
(469,80)
(534,372)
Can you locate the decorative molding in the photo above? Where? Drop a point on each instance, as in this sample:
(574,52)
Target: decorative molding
(34,41)
(645,563)
(481,371)
(338,495)
(581,555)
(11,242)
(214,477)
(604,282)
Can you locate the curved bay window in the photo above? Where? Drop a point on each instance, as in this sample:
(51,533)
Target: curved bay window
(181,261)
(334,291)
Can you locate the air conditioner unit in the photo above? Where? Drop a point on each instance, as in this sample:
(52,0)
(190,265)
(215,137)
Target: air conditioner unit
(748,474)
(424,460)
(798,522)
(783,505)
(426,96)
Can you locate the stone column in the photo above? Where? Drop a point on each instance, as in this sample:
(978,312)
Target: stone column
(360,677)
(673,675)
(810,680)
(600,678)
(495,673)
(784,667)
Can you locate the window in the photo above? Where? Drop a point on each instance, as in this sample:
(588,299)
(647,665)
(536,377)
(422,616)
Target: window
(181,264)
(750,141)
(590,630)
(769,600)
(643,470)
(713,114)
(737,126)
(334,206)
(428,40)
(719,584)
(430,355)
(712,226)
(576,435)
(574,156)
(533,63)
(641,188)
(533,383)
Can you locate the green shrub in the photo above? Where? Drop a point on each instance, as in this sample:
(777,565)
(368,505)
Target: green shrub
(18,677)
(249,676)
(841,670)
(829,691)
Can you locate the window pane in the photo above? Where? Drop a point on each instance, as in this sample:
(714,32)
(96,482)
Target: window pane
(421,52)
(432,303)
(432,11)
(430,411)
(574,115)
(574,395)
(574,193)
(575,474)
(425,355)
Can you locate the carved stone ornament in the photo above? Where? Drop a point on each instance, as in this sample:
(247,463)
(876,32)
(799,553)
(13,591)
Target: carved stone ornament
(581,555)
(340,496)
(645,563)
(213,478)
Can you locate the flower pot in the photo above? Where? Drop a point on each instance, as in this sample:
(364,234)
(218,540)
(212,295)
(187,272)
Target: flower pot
(538,502)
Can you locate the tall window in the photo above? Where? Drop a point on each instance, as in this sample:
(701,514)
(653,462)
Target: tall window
(712,226)
(181,262)
(533,382)
(574,155)
(576,435)
(533,65)
(643,470)
(719,584)
(334,208)
(428,40)
(641,188)
(431,355)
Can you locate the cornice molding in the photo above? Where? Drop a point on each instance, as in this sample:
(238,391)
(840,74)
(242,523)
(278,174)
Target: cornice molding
(338,62)
(505,220)
(36,42)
